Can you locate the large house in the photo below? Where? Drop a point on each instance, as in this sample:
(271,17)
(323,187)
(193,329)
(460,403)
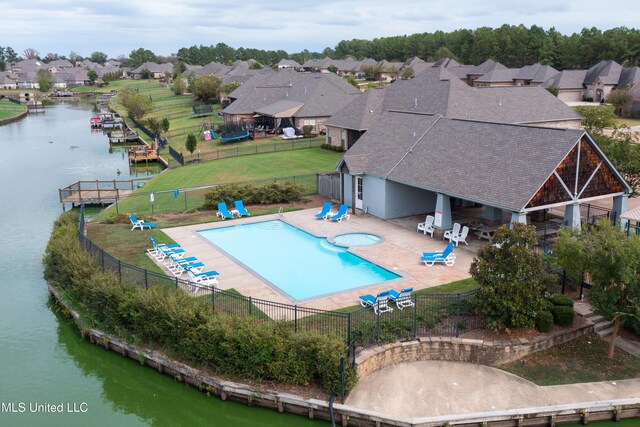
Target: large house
(412,163)
(289,99)
(437,91)
(596,83)
(158,71)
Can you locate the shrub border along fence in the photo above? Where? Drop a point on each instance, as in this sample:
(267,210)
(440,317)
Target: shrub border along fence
(431,314)
(154,207)
(344,414)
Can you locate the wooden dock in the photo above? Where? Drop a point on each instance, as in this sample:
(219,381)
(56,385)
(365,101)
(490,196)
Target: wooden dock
(96,192)
(142,154)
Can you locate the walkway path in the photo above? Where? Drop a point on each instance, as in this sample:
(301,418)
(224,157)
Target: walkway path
(432,388)
(604,328)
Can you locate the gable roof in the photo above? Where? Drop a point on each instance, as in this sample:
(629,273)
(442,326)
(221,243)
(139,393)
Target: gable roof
(499,165)
(288,63)
(536,73)
(499,75)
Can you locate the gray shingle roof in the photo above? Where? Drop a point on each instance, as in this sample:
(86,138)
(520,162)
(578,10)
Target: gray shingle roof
(629,77)
(499,75)
(361,113)
(288,63)
(495,164)
(436,91)
(607,71)
(536,73)
(321,93)
(567,79)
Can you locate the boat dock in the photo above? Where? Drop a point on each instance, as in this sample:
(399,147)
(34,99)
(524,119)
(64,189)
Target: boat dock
(142,154)
(97,192)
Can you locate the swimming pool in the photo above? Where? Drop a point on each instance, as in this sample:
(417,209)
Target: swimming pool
(298,263)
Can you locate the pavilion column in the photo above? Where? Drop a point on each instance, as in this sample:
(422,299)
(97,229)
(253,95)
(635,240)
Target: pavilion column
(572,215)
(353,194)
(443,212)
(493,214)
(520,217)
(620,205)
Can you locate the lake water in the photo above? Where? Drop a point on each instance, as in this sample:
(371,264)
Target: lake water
(43,359)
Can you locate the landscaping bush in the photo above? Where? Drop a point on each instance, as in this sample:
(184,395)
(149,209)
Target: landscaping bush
(562,300)
(563,315)
(275,192)
(185,327)
(544,321)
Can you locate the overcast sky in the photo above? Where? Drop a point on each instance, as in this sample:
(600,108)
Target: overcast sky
(117,27)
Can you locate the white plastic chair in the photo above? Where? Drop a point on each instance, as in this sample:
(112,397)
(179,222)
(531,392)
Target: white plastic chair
(427,225)
(462,237)
(453,232)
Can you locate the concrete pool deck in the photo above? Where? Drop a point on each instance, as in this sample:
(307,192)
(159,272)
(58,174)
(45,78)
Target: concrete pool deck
(400,252)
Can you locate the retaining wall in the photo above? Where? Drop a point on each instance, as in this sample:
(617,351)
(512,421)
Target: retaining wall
(346,415)
(14,118)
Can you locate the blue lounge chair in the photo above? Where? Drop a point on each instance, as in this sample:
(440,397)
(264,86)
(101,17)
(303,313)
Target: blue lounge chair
(325,212)
(240,210)
(223,212)
(165,252)
(447,256)
(204,278)
(378,303)
(342,214)
(155,251)
(139,223)
(402,298)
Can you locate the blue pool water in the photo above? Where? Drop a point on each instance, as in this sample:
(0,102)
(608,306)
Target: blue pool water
(301,265)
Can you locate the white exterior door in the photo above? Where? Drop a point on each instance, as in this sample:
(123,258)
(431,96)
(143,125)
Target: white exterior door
(358,192)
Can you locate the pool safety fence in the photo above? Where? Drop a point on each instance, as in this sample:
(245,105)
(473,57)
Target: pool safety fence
(187,198)
(430,315)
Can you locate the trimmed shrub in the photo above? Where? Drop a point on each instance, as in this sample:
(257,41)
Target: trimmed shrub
(275,192)
(563,315)
(562,300)
(544,321)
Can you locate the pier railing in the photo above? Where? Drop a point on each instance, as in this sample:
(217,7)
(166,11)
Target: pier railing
(98,191)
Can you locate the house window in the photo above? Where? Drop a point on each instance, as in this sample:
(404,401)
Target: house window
(329,136)
(309,122)
(343,138)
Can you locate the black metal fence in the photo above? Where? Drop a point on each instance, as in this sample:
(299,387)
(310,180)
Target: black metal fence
(177,156)
(430,315)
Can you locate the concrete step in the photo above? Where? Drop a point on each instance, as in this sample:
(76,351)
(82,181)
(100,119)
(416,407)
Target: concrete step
(602,326)
(604,333)
(596,318)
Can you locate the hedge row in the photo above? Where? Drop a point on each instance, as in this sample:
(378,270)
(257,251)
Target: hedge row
(186,328)
(275,192)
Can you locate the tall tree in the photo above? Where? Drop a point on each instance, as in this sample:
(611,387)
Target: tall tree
(206,87)
(613,264)
(510,275)
(140,56)
(98,57)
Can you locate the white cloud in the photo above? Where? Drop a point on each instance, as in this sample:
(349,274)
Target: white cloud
(120,26)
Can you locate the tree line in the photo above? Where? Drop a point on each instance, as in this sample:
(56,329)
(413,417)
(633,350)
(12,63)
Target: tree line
(511,45)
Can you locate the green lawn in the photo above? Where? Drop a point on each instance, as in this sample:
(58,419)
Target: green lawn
(246,168)
(9,109)
(581,360)
(628,122)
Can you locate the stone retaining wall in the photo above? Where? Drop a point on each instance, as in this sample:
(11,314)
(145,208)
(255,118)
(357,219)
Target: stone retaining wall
(461,350)
(14,119)
(346,415)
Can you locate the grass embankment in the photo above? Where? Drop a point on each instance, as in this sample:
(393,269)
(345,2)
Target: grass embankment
(9,109)
(246,168)
(581,360)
